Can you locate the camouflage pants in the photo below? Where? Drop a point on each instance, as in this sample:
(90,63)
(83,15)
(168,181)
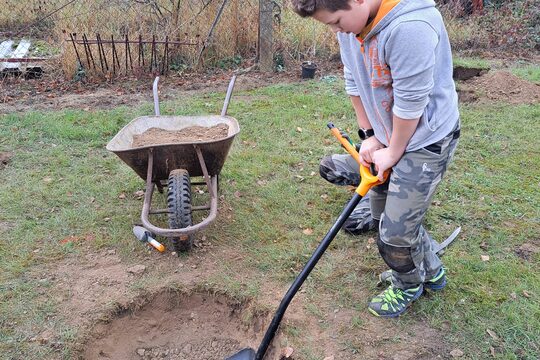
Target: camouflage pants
(401,204)
(343,170)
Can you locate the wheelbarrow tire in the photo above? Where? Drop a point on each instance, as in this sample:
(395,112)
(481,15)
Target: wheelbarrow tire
(179,206)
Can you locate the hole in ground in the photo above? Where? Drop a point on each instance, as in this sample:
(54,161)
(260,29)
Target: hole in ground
(177,326)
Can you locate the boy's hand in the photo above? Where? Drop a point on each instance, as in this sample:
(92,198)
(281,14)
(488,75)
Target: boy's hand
(384,159)
(367,149)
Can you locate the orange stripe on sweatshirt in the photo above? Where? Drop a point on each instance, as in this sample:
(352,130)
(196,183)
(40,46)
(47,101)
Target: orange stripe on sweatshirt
(385,8)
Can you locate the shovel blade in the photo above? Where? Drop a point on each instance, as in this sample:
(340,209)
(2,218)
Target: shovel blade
(245,354)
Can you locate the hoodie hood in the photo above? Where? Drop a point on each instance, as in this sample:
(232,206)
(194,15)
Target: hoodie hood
(388,11)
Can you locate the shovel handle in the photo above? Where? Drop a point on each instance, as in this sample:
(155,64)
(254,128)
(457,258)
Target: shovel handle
(344,142)
(368,176)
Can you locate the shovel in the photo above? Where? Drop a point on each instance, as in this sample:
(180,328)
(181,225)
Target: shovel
(368,180)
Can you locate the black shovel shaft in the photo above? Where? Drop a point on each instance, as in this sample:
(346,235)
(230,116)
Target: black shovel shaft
(304,274)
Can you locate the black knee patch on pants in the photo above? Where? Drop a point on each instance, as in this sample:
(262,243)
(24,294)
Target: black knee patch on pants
(397,258)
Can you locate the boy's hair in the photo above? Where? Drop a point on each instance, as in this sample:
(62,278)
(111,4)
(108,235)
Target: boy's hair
(306,8)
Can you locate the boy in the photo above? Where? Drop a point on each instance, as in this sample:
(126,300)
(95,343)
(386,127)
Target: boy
(398,74)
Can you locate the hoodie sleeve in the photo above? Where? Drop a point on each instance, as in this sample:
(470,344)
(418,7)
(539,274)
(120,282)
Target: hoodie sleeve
(344,41)
(410,54)
(350,84)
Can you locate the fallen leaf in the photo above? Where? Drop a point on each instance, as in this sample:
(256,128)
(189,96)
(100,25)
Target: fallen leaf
(47,179)
(138,194)
(492,334)
(526,294)
(313,173)
(484,257)
(307,231)
(122,196)
(324,196)
(237,194)
(286,352)
(513,296)
(492,351)
(299,129)
(371,240)
(329,357)
(456,353)
(483,246)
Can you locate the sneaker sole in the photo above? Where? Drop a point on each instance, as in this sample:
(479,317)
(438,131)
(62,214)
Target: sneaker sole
(435,287)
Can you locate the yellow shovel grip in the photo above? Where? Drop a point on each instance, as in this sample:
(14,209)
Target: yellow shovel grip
(368,180)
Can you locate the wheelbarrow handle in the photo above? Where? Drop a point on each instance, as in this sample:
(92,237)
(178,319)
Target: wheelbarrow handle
(228,96)
(156,98)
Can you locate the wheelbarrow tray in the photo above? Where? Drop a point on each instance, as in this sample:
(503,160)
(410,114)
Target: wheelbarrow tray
(179,155)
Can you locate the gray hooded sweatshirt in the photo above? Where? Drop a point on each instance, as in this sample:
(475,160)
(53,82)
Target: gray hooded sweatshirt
(403,66)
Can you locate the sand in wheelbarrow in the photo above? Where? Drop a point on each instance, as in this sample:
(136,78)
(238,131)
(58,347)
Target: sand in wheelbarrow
(157,136)
(175,326)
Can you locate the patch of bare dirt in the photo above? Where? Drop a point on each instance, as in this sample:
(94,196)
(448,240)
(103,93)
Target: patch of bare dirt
(175,326)
(85,286)
(156,136)
(50,93)
(117,319)
(529,249)
(5,158)
(334,334)
(500,86)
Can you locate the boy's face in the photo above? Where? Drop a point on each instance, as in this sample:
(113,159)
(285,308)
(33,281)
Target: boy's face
(352,20)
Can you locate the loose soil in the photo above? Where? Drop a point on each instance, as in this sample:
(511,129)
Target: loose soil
(157,136)
(500,86)
(174,326)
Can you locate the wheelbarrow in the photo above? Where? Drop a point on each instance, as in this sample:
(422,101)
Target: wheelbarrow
(172,165)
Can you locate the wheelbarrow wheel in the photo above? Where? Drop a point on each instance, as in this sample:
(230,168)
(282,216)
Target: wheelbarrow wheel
(179,206)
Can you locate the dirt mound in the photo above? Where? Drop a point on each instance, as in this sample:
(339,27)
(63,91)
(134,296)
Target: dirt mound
(503,86)
(156,136)
(176,326)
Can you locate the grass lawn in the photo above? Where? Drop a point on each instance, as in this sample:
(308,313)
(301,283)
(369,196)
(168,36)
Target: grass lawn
(61,182)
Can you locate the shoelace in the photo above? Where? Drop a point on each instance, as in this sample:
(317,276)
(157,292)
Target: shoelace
(391,296)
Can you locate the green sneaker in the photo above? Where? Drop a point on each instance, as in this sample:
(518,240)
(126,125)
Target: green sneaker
(393,301)
(438,282)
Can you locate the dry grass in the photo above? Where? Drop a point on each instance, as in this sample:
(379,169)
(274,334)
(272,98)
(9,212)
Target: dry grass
(235,34)
(504,27)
